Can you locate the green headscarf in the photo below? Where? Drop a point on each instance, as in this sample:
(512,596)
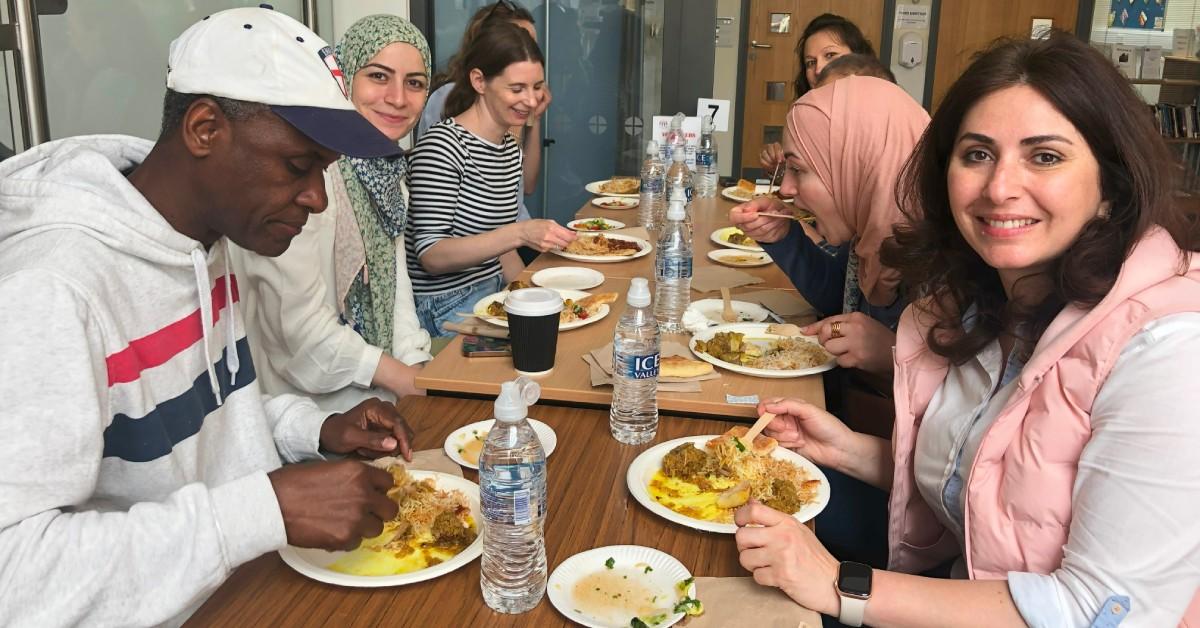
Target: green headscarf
(373,186)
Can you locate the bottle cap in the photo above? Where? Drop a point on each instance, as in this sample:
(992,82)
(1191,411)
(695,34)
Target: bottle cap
(677,120)
(706,124)
(676,209)
(639,292)
(678,154)
(652,147)
(515,398)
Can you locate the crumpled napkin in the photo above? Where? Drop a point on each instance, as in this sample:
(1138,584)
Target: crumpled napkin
(712,278)
(728,600)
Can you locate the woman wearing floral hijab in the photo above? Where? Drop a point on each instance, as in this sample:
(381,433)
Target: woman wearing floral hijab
(333,317)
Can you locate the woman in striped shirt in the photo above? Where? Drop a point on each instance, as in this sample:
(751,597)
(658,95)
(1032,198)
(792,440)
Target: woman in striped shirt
(462,233)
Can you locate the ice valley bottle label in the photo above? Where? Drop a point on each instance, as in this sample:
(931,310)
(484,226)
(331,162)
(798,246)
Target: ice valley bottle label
(640,366)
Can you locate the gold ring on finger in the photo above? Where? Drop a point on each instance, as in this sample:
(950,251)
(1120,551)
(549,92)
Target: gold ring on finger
(835,330)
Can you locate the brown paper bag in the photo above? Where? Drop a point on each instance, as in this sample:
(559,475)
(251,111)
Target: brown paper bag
(744,602)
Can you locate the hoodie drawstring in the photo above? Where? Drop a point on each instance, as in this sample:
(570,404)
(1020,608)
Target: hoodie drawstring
(232,361)
(200,266)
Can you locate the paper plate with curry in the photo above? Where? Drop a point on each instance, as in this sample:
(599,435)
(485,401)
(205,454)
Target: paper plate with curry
(700,481)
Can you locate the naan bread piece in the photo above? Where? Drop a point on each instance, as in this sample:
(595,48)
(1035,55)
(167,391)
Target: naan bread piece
(679,366)
(596,300)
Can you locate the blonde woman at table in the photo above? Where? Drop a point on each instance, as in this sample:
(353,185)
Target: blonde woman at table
(333,317)
(1046,424)
(845,143)
(462,234)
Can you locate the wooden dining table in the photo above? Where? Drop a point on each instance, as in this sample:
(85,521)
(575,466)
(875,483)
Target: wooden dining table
(589,506)
(570,383)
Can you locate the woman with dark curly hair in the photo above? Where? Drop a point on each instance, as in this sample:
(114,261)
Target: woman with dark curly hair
(826,38)
(1046,422)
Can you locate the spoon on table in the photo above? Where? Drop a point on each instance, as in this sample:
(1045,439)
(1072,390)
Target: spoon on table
(758,427)
(727,313)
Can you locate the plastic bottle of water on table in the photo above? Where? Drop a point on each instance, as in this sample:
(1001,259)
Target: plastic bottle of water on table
(512,490)
(673,267)
(680,175)
(653,188)
(633,418)
(706,161)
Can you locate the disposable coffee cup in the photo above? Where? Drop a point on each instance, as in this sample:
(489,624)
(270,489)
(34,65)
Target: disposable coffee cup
(533,327)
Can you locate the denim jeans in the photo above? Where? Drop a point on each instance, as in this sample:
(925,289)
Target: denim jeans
(435,309)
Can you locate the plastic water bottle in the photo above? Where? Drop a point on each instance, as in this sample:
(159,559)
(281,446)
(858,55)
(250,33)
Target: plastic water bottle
(675,137)
(673,267)
(679,173)
(654,174)
(706,161)
(633,418)
(512,491)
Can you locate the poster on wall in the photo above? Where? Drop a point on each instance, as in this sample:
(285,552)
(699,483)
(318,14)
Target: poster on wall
(1138,14)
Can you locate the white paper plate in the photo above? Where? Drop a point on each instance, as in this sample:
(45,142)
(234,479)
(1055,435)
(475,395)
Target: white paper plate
(581,225)
(594,188)
(719,237)
(480,309)
(314,562)
(726,256)
(712,308)
(754,332)
(617,202)
(466,433)
(628,560)
(736,195)
(609,259)
(643,468)
(568,278)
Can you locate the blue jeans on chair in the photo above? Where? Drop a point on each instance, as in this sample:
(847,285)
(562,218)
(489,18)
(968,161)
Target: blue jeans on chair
(434,309)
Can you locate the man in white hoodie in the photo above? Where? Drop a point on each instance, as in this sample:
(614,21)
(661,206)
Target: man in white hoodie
(139,463)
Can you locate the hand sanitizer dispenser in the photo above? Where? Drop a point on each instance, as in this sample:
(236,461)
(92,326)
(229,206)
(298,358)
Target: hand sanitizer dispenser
(912,50)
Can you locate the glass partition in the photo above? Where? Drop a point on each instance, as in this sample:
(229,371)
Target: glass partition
(594,61)
(105,62)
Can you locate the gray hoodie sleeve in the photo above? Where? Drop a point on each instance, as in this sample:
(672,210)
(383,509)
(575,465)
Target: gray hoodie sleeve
(62,562)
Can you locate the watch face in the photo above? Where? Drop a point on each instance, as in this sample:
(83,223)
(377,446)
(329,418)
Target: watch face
(854,579)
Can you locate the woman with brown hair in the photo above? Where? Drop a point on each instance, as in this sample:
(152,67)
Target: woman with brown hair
(826,38)
(529,136)
(1045,397)
(464,178)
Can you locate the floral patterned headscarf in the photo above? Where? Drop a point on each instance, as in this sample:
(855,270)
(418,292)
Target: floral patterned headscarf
(373,186)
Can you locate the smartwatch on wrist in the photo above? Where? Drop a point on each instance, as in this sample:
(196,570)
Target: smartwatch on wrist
(854,588)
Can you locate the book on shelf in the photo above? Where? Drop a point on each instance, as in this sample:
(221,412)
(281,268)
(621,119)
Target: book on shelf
(1177,121)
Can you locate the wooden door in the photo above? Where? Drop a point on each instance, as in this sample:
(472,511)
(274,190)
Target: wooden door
(772,62)
(968,26)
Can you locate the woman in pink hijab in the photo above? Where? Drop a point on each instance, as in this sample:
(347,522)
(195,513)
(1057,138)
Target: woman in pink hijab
(845,146)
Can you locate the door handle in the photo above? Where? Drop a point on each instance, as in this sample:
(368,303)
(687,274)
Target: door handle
(755,44)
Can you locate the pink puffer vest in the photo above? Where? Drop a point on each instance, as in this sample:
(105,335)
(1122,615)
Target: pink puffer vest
(1027,459)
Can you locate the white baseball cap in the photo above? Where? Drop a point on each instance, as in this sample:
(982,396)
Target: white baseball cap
(256,54)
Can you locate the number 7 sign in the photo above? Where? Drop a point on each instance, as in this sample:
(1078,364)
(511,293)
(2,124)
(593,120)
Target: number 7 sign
(718,109)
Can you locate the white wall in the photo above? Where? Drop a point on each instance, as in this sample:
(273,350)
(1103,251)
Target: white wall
(347,12)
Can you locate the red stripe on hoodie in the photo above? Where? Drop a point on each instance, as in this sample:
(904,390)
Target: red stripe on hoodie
(159,346)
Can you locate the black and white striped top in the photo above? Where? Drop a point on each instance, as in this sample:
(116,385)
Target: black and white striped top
(459,185)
